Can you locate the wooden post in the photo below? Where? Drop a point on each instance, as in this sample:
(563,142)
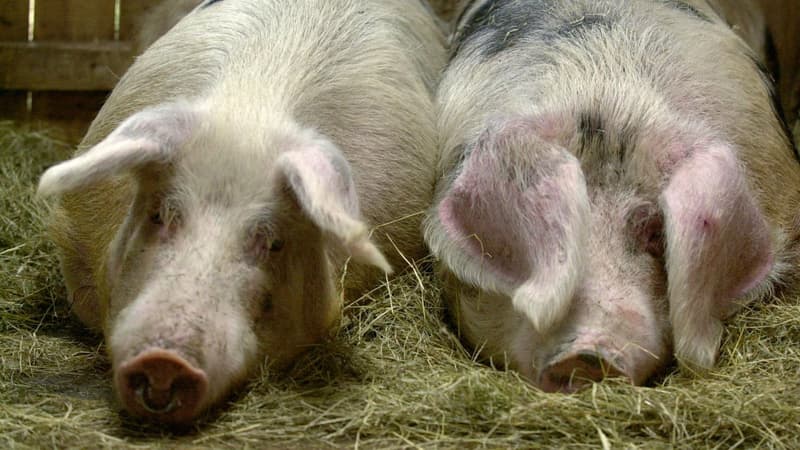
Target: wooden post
(13,28)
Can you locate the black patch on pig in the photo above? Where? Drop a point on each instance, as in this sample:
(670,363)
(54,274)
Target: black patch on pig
(584,23)
(209,3)
(603,148)
(594,135)
(590,127)
(502,23)
(686,8)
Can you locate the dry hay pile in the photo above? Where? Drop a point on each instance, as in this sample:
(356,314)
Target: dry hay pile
(394,377)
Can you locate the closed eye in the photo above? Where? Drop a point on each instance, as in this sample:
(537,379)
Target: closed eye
(276,245)
(156,218)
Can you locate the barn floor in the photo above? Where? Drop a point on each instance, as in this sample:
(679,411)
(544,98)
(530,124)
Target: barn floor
(394,377)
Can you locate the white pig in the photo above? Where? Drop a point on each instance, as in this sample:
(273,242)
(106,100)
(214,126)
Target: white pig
(615,183)
(209,218)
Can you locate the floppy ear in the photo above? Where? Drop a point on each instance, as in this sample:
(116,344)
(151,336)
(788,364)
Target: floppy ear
(514,221)
(150,136)
(718,249)
(319,177)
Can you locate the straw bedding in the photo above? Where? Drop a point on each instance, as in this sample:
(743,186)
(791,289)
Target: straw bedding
(393,377)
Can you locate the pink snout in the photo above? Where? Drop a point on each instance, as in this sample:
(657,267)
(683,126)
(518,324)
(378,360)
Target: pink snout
(576,370)
(161,385)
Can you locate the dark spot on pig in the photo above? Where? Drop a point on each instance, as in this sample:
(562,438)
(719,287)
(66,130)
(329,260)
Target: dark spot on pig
(209,3)
(495,26)
(686,8)
(603,147)
(584,23)
(499,25)
(590,129)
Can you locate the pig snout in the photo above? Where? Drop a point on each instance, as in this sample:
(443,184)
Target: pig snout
(573,371)
(160,384)
(591,357)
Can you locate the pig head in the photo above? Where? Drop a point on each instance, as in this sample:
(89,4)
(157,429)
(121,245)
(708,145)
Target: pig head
(223,259)
(565,264)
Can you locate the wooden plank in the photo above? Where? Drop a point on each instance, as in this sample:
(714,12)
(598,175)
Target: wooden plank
(130,14)
(63,66)
(74,20)
(52,66)
(13,27)
(14,20)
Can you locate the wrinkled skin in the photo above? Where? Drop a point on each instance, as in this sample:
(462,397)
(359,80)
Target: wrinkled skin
(616,182)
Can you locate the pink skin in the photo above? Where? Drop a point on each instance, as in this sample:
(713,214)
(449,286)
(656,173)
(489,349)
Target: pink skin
(606,335)
(220,263)
(185,336)
(543,206)
(160,384)
(718,248)
(671,241)
(618,324)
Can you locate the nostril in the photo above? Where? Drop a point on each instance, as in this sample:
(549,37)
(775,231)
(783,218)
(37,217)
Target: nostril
(575,371)
(162,385)
(153,399)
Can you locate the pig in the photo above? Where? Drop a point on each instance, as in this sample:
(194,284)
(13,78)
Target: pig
(614,183)
(257,166)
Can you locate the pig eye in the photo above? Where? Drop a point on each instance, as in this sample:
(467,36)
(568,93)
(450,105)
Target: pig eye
(646,225)
(267,306)
(164,216)
(276,245)
(156,218)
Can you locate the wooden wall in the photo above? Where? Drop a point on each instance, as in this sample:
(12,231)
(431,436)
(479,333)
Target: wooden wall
(62,76)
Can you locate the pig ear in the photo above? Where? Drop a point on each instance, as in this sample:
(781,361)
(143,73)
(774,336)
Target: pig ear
(718,249)
(150,136)
(514,221)
(319,177)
